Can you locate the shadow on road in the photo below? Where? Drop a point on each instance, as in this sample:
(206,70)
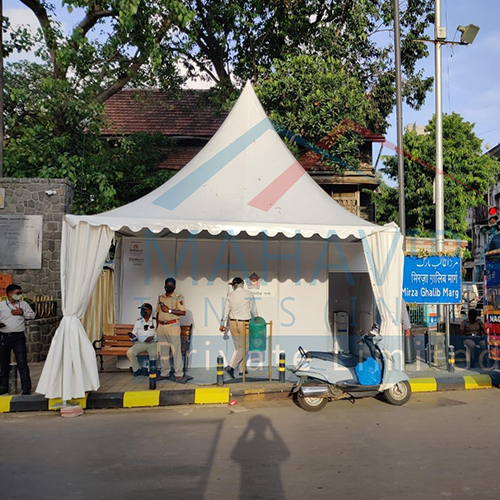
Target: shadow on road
(260,451)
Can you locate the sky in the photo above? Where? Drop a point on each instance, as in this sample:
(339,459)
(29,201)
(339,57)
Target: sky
(471,74)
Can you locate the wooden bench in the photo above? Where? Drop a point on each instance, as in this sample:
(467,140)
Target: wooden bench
(116,342)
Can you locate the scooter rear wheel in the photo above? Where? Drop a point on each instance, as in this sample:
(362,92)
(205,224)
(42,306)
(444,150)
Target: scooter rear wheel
(311,404)
(399,394)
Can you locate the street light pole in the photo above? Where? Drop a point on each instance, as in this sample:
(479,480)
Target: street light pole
(469,34)
(440,36)
(399,122)
(439,183)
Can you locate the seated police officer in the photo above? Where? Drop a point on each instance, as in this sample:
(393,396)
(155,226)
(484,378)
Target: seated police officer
(144,337)
(475,338)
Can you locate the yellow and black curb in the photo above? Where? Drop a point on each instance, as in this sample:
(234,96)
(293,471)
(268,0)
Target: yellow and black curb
(219,395)
(131,399)
(138,399)
(454,383)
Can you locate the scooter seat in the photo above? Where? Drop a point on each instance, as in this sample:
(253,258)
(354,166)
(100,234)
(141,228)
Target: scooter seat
(346,360)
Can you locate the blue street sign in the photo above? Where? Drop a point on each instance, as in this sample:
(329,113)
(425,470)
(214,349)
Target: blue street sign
(432,280)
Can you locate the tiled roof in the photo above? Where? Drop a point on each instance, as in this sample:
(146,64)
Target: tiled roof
(180,157)
(153,111)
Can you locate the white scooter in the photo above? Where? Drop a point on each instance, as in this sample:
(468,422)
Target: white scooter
(328,376)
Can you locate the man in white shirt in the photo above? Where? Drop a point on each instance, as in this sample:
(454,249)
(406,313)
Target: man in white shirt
(144,337)
(13,315)
(239,307)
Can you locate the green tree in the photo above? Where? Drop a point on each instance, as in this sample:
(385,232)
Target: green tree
(230,42)
(311,96)
(115,43)
(54,110)
(105,173)
(468,173)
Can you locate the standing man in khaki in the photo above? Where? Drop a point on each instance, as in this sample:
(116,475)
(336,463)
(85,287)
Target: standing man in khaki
(239,307)
(169,309)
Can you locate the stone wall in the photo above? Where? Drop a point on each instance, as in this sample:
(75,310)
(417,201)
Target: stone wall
(51,198)
(39,335)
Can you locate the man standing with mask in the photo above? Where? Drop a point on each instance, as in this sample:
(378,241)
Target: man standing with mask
(239,307)
(169,309)
(13,315)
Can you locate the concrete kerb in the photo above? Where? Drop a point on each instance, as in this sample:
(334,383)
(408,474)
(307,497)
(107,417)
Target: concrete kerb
(455,382)
(221,395)
(137,399)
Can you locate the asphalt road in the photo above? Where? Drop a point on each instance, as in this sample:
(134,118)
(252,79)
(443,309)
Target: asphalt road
(439,446)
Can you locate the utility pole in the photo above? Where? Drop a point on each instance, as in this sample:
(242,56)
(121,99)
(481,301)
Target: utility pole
(399,123)
(469,33)
(440,36)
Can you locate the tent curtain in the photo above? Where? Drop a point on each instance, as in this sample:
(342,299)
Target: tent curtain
(101,308)
(384,255)
(71,367)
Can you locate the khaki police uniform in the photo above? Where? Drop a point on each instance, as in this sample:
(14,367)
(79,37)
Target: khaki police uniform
(169,333)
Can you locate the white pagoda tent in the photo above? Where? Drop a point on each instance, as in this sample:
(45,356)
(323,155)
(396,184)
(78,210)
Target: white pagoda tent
(243,205)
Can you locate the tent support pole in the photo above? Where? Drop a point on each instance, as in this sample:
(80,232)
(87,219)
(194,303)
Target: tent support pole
(270,351)
(244,360)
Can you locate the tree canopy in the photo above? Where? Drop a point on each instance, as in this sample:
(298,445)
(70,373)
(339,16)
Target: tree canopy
(230,42)
(310,96)
(467,175)
(339,53)
(106,174)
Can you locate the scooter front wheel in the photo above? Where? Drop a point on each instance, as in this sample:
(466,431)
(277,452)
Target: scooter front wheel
(311,404)
(399,394)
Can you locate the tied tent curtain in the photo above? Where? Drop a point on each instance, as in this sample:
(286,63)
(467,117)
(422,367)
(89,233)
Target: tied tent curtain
(71,367)
(384,256)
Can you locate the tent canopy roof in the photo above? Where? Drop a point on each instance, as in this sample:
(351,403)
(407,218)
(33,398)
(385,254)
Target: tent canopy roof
(244,179)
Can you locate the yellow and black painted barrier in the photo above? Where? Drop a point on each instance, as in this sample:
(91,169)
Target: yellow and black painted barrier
(282,368)
(220,371)
(220,394)
(128,399)
(454,383)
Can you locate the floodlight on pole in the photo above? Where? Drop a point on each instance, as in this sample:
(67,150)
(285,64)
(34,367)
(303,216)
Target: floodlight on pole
(469,33)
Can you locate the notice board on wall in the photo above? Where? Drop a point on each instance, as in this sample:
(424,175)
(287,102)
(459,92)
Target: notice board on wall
(21,241)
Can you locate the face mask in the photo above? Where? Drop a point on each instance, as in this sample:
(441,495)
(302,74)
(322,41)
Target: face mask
(169,288)
(144,313)
(17,296)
